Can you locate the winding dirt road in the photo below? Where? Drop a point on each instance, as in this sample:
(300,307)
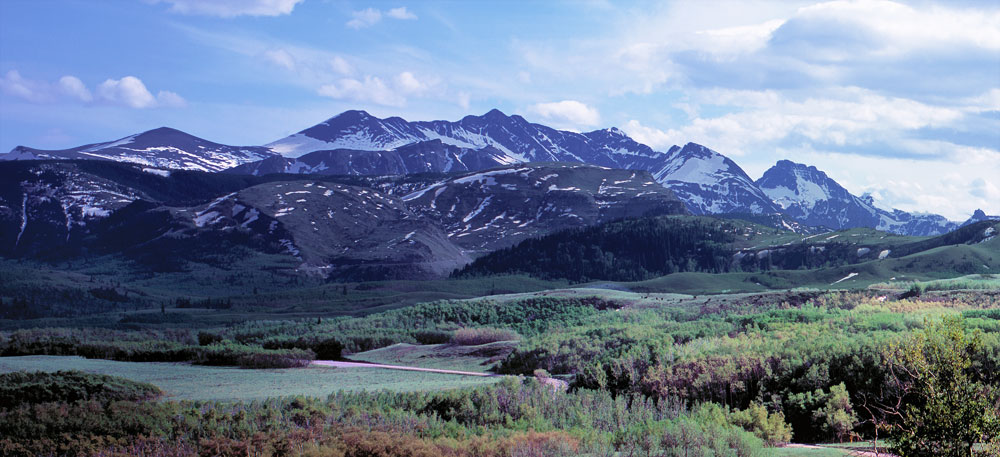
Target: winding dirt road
(556,384)
(338,364)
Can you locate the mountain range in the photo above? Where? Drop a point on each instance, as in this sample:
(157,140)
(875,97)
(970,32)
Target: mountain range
(348,227)
(357,143)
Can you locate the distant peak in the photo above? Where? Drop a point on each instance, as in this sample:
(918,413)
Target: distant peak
(353,114)
(615,131)
(162,130)
(979,213)
(695,147)
(494,113)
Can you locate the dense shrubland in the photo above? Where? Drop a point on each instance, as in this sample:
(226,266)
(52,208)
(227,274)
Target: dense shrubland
(805,366)
(512,418)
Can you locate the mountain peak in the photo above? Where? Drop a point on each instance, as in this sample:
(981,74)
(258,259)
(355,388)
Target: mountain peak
(354,114)
(494,114)
(161,130)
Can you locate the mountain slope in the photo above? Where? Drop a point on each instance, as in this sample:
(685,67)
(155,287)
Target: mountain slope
(643,248)
(496,208)
(812,197)
(162,148)
(420,157)
(711,183)
(342,227)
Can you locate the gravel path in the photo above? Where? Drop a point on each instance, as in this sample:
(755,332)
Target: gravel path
(555,384)
(338,364)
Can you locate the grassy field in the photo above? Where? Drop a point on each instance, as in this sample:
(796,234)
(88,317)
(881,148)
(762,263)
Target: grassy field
(441,356)
(807,452)
(190,382)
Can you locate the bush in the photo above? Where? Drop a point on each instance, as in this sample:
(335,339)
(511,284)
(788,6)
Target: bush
(484,335)
(24,388)
(328,349)
(770,427)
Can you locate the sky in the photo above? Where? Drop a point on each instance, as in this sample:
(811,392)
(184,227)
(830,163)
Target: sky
(898,99)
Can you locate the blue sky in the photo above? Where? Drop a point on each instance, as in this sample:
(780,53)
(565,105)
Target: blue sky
(898,99)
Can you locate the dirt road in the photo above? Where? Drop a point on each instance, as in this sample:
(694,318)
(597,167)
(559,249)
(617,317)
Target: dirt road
(338,364)
(556,384)
(851,452)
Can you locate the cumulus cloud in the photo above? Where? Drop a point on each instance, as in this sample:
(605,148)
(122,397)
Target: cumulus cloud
(371,16)
(73,87)
(370,89)
(231,8)
(170,99)
(33,91)
(389,92)
(568,111)
(400,13)
(409,83)
(128,91)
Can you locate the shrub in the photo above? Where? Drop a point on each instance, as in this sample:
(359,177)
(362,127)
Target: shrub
(770,427)
(328,349)
(20,388)
(483,335)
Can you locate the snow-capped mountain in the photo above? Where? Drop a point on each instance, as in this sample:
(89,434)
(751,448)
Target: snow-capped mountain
(710,183)
(162,148)
(421,157)
(979,216)
(812,197)
(517,139)
(705,180)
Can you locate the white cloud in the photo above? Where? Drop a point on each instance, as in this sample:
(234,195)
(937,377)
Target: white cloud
(281,58)
(131,92)
(341,66)
(400,13)
(651,136)
(370,89)
(128,91)
(409,83)
(464,99)
(170,99)
(570,111)
(845,117)
(33,91)
(73,87)
(391,92)
(232,8)
(364,18)
(371,16)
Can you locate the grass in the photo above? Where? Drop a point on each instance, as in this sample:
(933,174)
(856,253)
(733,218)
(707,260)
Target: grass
(441,356)
(189,382)
(807,452)
(968,282)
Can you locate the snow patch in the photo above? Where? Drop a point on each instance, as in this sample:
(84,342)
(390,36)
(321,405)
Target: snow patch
(156,171)
(845,278)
